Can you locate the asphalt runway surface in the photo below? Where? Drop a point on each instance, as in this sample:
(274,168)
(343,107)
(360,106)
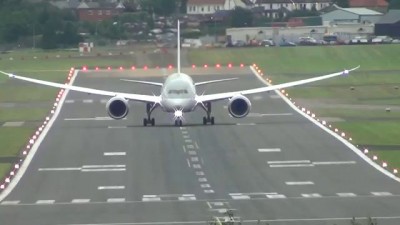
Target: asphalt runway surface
(273,166)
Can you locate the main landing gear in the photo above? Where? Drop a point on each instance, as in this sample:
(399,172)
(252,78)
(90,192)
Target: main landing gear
(208,118)
(178,122)
(149,108)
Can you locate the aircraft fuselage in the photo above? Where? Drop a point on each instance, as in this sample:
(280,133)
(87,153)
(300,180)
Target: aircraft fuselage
(178,93)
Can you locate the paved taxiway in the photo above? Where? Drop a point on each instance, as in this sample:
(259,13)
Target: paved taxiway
(272,166)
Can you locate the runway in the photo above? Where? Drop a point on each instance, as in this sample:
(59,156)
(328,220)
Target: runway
(273,166)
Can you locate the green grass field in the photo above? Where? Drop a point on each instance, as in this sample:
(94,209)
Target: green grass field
(374,85)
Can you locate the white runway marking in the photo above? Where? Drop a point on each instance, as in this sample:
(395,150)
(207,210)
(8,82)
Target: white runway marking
(239,196)
(312,195)
(381,193)
(184,149)
(80,201)
(275,196)
(188,141)
(205,185)
(188,162)
(274,96)
(335,163)
(88,168)
(88,101)
(209,191)
(289,161)
(194,159)
(115,200)
(150,199)
(110,187)
(291,165)
(197,166)
(69,101)
(117,127)
(192,152)
(45,201)
(114,153)
(9,203)
(61,169)
(199,173)
(245,124)
(346,195)
(269,150)
(299,183)
(268,114)
(186,198)
(91,119)
(104,101)
(202,179)
(186,136)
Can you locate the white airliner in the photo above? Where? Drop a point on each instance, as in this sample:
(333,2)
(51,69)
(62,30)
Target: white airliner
(178,95)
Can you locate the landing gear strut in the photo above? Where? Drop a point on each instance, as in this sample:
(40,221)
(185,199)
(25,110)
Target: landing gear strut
(149,108)
(178,122)
(208,118)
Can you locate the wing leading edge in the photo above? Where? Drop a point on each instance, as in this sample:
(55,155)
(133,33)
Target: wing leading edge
(134,97)
(226,95)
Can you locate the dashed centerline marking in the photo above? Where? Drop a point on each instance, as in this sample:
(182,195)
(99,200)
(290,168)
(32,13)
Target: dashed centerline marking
(346,194)
(288,161)
(312,195)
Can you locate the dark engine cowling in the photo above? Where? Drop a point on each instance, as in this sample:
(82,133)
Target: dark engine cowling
(117,107)
(239,106)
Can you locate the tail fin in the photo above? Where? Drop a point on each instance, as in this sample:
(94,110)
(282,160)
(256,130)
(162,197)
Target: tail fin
(178,37)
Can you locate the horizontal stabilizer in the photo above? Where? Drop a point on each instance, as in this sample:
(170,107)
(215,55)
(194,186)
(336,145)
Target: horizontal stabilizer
(144,82)
(214,81)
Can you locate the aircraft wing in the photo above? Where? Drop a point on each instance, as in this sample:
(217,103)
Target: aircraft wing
(220,96)
(135,97)
(214,81)
(144,82)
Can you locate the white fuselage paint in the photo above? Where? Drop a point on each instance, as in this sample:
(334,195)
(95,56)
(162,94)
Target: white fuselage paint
(178,93)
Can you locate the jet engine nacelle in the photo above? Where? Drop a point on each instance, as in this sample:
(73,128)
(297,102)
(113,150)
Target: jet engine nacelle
(117,107)
(239,106)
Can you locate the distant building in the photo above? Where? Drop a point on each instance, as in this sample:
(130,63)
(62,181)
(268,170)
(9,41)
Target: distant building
(209,7)
(292,5)
(93,11)
(351,15)
(389,24)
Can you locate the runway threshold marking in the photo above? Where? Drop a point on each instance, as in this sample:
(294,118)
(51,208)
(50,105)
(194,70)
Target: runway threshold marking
(269,150)
(291,183)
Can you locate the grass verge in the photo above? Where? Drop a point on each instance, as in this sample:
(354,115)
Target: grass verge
(12,139)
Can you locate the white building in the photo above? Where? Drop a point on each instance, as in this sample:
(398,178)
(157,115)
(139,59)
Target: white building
(351,15)
(292,4)
(208,7)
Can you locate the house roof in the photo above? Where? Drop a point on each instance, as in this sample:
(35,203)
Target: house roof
(362,11)
(392,16)
(368,3)
(206,2)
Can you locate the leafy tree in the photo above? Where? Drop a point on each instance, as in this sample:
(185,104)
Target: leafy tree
(343,3)
(241,17)
(49,39)
(159,7)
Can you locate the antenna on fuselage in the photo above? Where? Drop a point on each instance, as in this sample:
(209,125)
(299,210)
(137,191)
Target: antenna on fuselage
(179,48)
